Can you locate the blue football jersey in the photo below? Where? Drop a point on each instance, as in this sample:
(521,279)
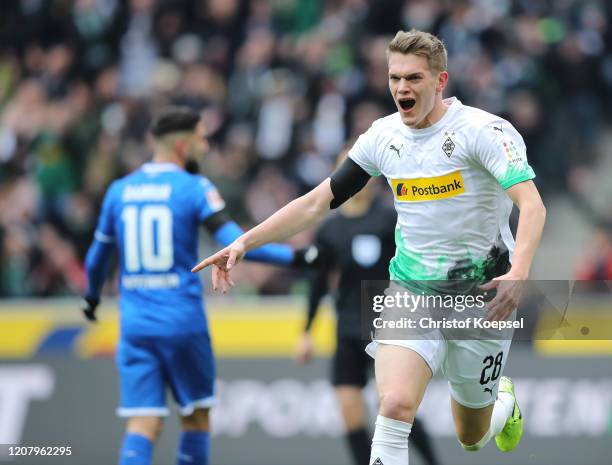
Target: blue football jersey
(153,215)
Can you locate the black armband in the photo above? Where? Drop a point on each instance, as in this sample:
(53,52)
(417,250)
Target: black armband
(216,220)
(348,179)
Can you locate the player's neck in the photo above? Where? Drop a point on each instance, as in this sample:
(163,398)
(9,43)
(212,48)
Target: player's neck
(161,156)
(435,115)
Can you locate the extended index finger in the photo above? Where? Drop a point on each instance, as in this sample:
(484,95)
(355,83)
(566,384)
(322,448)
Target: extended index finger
(203,264)
(207,261)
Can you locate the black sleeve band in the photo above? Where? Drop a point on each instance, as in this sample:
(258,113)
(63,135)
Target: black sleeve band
(348,179)
(216,220)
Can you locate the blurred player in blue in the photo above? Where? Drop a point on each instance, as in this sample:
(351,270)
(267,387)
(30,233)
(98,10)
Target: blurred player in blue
(152,218)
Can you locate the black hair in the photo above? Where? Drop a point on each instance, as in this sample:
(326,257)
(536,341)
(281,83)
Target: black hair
(174,119)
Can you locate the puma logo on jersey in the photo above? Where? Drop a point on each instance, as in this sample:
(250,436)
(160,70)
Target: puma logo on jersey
(495,128)
(489,390)
(424,189)
(394,148)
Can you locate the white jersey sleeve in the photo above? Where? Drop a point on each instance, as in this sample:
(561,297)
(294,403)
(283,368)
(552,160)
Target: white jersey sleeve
(364,153)
(500,149)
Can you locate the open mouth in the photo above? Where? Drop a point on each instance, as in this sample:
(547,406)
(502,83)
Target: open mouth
(407,104)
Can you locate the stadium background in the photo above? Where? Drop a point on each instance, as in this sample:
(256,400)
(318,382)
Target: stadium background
(283,85)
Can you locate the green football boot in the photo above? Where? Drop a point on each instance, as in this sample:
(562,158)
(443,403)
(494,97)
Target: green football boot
(511,435)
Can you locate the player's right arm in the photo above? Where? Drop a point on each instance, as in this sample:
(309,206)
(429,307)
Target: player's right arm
(298,215)
(211,212)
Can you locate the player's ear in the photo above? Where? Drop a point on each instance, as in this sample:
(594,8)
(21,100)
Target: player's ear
(442,81)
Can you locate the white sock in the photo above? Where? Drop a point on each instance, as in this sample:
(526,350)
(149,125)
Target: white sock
(390,442)
(504,405)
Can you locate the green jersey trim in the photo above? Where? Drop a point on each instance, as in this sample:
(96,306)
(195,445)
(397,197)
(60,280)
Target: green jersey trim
(514,176)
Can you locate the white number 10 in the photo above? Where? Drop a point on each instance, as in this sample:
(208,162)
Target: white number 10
(143,249)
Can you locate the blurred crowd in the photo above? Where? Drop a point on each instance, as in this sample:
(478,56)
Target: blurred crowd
(282,86)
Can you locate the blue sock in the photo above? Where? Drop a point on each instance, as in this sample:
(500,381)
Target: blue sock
(136,450)
(193,448)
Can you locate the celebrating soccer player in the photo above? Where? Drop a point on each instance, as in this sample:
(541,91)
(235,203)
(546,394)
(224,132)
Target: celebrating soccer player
(454,172)
(357,244)
(152,217)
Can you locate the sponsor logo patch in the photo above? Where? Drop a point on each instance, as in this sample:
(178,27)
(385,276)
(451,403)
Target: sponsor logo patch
(423,189)
(214,199)
(513,154)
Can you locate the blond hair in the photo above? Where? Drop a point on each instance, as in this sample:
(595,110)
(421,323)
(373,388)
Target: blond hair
(421,44)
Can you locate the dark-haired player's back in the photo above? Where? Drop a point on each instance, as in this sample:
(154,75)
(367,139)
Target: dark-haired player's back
(153,215)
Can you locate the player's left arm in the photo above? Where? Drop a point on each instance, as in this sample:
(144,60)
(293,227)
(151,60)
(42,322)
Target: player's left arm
(532,215)
(500,149)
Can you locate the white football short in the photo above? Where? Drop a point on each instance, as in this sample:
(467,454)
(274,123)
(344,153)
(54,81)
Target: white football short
(472,367)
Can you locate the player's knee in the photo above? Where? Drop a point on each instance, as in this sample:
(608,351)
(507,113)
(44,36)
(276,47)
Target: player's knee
(398,406)
(197,421)
(149,427)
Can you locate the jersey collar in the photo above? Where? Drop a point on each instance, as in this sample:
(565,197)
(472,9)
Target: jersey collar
(453,106)
(159,167)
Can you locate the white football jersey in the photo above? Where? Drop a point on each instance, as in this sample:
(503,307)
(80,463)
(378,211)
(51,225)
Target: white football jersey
(448,183)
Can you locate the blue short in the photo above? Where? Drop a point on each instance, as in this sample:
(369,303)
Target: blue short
(150,364)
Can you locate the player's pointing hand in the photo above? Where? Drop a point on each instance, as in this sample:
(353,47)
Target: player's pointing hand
(222,262)
(225,258)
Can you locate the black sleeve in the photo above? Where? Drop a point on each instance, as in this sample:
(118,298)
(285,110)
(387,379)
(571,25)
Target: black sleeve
(216,220)
(317,288)
(348,179)
(318,282)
